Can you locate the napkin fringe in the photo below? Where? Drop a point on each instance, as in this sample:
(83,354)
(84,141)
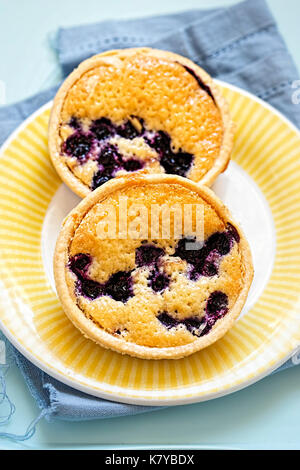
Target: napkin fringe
(4,398)
(30,431)
(9,406)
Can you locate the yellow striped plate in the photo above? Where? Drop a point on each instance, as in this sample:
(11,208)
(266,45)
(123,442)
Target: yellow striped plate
(261,187)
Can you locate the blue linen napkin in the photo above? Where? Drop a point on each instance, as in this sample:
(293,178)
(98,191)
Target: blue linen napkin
(241,45)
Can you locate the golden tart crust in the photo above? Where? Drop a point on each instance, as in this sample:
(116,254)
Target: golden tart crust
(149,297)
(158,111)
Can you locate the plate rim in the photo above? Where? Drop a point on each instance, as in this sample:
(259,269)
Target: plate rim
(113,396)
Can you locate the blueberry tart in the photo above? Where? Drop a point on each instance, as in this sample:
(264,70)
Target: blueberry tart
(138,110)
(152,266)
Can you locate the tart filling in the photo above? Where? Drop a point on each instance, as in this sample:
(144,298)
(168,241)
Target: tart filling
(138,110)
(152,297)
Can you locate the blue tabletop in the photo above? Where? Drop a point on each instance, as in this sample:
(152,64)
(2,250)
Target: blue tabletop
(264,415)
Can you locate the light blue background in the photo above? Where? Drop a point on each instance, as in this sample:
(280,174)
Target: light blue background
(265,415)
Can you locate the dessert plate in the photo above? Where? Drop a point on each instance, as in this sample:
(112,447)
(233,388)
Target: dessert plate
(260,187)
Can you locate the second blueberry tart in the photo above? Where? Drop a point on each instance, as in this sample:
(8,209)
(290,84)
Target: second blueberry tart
(138,110)
(155,295)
